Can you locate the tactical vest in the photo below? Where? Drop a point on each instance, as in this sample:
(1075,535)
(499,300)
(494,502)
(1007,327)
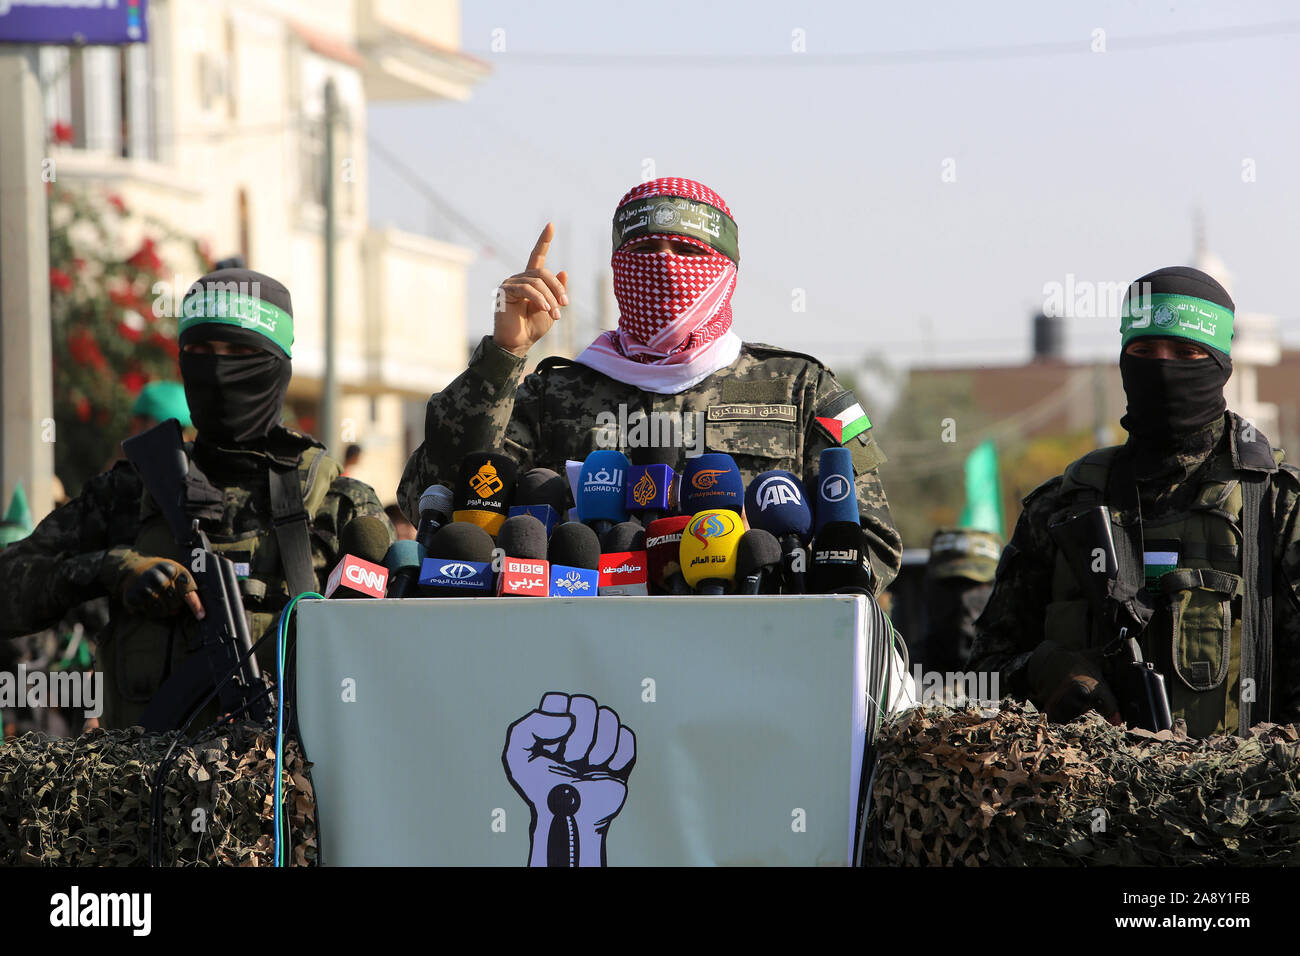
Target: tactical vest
(139,653)
(1194,637)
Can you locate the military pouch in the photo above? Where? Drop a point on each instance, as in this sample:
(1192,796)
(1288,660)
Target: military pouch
(1200,617)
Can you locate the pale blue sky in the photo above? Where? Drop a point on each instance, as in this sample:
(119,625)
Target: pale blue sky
(1079,163)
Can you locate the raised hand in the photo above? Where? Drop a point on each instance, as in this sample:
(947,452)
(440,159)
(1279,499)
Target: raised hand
(528,303)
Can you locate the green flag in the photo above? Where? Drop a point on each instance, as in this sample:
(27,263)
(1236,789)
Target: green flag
(983,510)
(19,513)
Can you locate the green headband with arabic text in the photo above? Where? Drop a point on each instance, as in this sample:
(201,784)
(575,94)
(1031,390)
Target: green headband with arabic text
(1181,316)
(219,306)
(677,216)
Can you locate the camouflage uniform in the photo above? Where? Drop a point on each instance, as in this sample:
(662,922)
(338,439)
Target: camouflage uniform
(761,410)
(1026,607)
(59,565)
(958,580)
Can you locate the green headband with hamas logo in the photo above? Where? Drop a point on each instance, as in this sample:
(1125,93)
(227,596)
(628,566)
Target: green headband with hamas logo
(1181,316)
(243,299)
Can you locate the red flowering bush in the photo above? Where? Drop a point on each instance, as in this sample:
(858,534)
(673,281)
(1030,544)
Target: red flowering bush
(108,338)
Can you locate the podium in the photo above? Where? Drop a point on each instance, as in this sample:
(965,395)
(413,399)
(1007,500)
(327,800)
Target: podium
(474,731)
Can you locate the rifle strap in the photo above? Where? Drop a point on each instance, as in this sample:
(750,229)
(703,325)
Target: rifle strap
(1134,608)
(1257,602)
(289,519)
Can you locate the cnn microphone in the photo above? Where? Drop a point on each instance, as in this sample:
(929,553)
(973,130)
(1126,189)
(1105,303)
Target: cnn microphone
(758,562)
(708,550)
(364,542)
(602,485)
(839,561)
(650,482)
(777,502)
(435,511)
(460,562)
(837,496)
(712,482)
(663,541)
(543,494)
(484,487)
(574,553)
(403,562)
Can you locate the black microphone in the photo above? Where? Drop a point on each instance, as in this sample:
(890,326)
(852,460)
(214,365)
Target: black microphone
(485,486)
(575,545)
(544,495)
(522,536)
(758,562)
(403,561)
(624,536)
(459,562)
(359,572)
(840,562)
(435,511)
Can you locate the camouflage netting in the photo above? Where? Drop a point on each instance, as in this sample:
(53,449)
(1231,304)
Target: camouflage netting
(84,801)
(1005,787)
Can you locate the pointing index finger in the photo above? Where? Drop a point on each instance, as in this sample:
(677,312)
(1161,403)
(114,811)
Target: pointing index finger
(537,258)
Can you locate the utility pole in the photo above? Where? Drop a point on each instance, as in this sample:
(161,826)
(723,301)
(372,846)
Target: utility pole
(329,430)
(26,387)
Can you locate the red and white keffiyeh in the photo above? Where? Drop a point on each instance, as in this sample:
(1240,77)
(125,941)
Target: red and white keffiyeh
(674,324)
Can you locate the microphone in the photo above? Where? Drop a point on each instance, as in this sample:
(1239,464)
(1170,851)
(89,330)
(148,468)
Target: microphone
(708,551)
(777,503)
(712,482)
(758,562)
(543,494)
(841,563)
(520,558)
(461,562)
(663,540)
(435,511)
(837,496)
(575,561)
(403,562)
(601,487)
(483,488)
(623,564)
(650,482)
(363,542)
(522,536)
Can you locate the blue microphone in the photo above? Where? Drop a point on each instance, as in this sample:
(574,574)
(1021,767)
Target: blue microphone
(837,496)
(776,502)
(404,561)
(710,482)
(649,491)
(602,485)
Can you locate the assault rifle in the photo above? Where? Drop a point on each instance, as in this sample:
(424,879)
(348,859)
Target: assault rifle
(223,659)
(1140,688)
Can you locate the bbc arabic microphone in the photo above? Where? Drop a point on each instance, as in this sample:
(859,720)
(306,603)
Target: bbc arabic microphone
(650,482)
(520,558)
(777,502)
(840,561)
(484,488)
(758,563)
(663,540)
(708,550)
(435,511)
(623,562)
(602,485)
(712,482)
(364,543)
(403,562)
(574,553)
(837,495)
(459,562)
(543,494)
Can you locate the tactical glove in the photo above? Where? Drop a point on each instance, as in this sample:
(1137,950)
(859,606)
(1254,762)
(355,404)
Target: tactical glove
(149,586)
(1067,684)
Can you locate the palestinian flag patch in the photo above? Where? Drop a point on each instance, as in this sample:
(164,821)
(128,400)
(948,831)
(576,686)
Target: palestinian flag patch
(844,417)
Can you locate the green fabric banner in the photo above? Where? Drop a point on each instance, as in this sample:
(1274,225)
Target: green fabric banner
(983,511)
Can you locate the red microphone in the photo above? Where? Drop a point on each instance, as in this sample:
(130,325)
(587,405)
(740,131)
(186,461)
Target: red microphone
(355,577)
(663,538)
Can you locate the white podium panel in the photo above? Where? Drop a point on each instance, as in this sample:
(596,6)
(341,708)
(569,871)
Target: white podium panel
(623,730)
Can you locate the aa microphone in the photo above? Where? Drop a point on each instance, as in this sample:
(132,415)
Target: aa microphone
(837,496)
(712,482)
(460,562)
(840,562)
(708,550)
(435,511)
(758,562)
(650,482)
(574,554)
(777,502)
(364,542)
(484,487)
(663,540)
(623,563)
(543,494)
(403,562)
(602,484)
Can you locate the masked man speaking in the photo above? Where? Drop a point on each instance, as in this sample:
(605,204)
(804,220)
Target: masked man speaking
(236,338)
(1197,555)
(674,356)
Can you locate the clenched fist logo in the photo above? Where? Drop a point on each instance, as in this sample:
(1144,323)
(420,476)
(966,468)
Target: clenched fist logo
(569,759)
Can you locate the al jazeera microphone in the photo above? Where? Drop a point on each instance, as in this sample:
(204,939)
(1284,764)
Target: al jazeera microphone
(484,486)
(650,482)
(708,550)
